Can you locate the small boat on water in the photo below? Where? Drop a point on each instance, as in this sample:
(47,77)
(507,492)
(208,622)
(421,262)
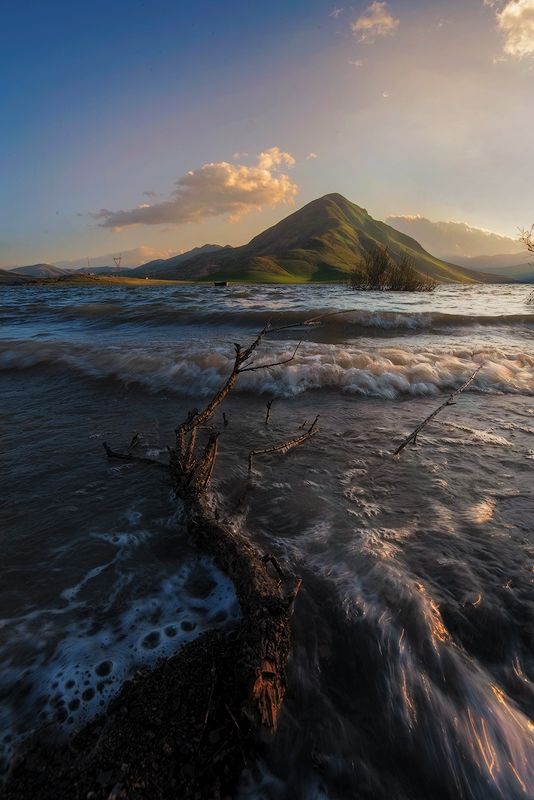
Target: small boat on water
(220,283)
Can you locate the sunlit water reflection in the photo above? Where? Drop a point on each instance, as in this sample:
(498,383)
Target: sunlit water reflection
(412,668)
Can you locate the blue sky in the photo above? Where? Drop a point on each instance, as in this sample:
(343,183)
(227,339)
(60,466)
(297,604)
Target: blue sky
(405,107)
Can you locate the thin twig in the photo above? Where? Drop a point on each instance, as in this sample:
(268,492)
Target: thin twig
(314,321)
(284,447)
(449,402)
(208,710)
(238,730)
(268,412)
(254,367)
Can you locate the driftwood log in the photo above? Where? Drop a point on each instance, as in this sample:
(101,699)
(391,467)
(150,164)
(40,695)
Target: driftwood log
(265,600)
(187,728)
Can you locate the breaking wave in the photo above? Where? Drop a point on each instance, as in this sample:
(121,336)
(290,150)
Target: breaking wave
(389,372)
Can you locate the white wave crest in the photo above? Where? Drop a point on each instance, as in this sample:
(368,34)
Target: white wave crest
(194,369)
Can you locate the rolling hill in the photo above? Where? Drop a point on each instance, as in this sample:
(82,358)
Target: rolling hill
(149,269)
(323,241)
(40,271)
(10,278)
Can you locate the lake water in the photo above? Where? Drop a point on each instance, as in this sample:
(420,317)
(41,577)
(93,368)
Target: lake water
(413,659)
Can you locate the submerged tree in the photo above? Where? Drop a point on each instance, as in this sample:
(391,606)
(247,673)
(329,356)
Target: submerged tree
(527,237)
(378,271)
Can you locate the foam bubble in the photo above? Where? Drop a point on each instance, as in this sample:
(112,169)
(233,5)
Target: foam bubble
(96,656)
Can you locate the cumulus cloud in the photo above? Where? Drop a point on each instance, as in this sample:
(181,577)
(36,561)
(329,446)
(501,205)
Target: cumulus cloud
(215,189)
(449,239)
(274,157)
(516,21)
(375,22)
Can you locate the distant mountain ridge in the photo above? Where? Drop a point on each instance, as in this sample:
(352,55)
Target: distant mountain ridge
(517,266)
(147,270)
(9,278)
(40,271)
(323,241)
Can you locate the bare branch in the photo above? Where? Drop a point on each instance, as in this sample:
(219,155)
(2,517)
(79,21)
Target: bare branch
(205,464)
(268,412)
(284,447)
(201,417)
(526,235)
(312,322)
(252,368)
(449,402)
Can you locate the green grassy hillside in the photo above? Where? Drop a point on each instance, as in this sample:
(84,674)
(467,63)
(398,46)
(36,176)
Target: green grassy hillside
(323,241)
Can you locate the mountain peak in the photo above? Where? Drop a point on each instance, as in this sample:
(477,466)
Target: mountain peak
(322,241)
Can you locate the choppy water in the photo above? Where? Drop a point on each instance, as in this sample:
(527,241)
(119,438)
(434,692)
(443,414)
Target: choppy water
(413,660)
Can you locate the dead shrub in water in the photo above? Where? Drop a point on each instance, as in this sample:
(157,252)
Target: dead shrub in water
(380,272)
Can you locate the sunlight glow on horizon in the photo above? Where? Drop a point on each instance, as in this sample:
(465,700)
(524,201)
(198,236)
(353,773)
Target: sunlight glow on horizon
(404,107)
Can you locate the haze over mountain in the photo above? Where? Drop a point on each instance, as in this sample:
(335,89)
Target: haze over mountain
(322,241)
(455,240)
(516,266)
(44,271)
(129,258)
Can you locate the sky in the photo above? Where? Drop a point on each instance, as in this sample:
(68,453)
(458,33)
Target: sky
(154,127)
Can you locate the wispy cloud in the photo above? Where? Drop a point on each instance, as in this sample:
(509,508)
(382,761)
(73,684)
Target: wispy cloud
(377,21)
(149,193)
(311,156)
(516,21)
(356,62)
(215,189)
